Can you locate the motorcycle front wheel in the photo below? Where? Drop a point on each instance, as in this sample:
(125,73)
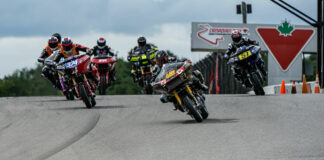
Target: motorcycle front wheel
(84,95)
(102,87)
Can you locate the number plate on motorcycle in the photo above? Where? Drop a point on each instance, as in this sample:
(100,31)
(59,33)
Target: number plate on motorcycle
(71,64)
(244,55)
(170,74)
(102,60)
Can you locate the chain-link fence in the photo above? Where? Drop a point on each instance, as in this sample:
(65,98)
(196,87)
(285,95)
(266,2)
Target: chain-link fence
(218,75)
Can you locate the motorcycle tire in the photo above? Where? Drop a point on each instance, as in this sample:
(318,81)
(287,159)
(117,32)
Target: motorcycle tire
(148,89)
(257,84)
(102,87)
(93,101)
(203,109)
(193,111)
(68,95)
(84,95)
(71,96)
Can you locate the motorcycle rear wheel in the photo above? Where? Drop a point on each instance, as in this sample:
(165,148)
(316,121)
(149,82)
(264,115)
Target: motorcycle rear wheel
(93,101)
(257,84)
(203,109)
(69,95)
(148,89)
(192,109)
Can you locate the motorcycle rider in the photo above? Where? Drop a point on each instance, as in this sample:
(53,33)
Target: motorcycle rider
(142,48)
(70,49)
(239,41)
(102,49)
(162,58)
(53,45)
(58,36)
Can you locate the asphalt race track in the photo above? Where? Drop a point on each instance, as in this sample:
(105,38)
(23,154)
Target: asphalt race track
(240,127)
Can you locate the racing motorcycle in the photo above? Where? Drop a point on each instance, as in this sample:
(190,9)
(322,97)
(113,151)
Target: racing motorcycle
(50,66)
(174,80)
(105,65)
(143,65)
(245,59)
(72,74)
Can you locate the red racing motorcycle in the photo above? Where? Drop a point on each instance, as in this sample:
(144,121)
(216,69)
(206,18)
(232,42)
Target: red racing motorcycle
(72,74)
(106,66)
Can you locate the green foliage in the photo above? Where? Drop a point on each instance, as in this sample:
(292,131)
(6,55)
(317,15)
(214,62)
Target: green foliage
(124,82)
(28,82)
(313,59)
(285,28)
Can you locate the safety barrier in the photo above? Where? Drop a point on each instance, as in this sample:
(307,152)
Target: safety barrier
(218,75)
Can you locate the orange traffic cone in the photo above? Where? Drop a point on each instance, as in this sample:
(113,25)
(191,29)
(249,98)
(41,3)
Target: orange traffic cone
(317,88)
(293,88)
(304,89)
(283,87)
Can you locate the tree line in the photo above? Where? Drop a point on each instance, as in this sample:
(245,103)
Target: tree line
(28,82)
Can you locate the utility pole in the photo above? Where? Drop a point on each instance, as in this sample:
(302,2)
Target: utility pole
(244,9)
(243,12)
(320,55)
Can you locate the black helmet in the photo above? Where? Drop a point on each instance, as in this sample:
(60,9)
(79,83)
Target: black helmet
(67,44)
(101,42)
(58,36)
(53,43)
(161,57)
(141,41)
(236,36)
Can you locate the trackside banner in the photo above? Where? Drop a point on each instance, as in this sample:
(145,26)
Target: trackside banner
(284,42)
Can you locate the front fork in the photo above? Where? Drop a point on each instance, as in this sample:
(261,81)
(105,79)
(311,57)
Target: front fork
(76,87)
(87,84)
(61,82)
(192,96)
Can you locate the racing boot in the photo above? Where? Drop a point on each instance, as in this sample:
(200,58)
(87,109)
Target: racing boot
(112,76)
(134,77)
(203,87)
(197,82)
(164,98)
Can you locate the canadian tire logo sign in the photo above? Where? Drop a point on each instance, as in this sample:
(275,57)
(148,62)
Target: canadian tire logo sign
(213,35)
(285,42)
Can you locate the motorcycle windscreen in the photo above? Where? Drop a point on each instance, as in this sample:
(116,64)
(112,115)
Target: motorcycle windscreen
(167,69)
(52,56)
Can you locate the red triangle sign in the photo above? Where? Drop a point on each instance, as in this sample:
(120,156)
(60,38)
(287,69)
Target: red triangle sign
(285,44)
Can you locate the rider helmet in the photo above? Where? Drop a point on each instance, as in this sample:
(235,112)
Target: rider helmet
(101,42)
(141,41)
(53,43)
(58,36)
(161,57)
(67,44)
(236,36)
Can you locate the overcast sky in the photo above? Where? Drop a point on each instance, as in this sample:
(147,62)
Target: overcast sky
(26,25)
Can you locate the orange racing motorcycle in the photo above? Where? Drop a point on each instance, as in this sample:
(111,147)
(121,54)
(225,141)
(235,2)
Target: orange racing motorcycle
(174,80)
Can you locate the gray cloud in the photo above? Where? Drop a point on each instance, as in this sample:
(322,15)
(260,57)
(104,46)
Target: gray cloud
(74,17)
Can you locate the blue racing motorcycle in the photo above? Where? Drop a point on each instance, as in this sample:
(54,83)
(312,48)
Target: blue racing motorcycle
(246,60)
